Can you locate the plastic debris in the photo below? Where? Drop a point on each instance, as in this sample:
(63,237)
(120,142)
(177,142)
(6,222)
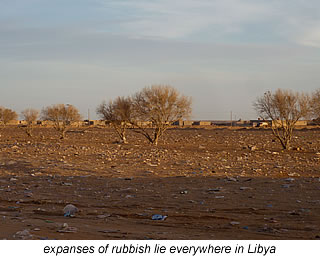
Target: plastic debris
(67,229)
(70,210)
(103,216)
(245,188)
(289,179)
(25,234)
(159,217)
(215,189)
(231,179)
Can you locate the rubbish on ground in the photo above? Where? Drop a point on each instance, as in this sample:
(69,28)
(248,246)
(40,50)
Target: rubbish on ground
(159,217)
(70,210)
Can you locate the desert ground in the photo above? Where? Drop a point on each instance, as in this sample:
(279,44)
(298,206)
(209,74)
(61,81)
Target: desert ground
(214,183)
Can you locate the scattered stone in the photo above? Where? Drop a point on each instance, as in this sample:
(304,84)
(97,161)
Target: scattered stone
(215,189)
(109,231)
(231,179)
(103,216)
(252,147)
(66,183)
(294,174)
(294,213)
(233,223)
(290,179)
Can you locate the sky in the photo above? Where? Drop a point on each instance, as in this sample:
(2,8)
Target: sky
(222,53)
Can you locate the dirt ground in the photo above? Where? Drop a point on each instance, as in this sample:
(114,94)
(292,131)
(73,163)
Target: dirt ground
(215,183)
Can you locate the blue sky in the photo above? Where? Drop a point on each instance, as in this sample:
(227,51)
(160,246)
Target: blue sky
(222,53)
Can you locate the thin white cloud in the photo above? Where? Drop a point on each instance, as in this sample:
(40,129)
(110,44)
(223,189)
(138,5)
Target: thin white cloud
(180,18)
(278,21)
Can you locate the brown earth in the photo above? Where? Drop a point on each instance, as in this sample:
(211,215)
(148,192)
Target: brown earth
(210,183)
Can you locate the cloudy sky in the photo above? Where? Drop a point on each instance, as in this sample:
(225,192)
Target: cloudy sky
(223,53)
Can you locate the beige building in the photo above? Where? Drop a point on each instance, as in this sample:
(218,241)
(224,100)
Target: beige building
(183,123)
(298,123)
(202,123)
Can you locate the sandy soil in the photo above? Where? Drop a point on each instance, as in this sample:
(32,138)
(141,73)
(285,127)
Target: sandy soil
(210,183)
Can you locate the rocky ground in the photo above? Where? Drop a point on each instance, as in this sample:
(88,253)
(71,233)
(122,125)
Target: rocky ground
(215,183)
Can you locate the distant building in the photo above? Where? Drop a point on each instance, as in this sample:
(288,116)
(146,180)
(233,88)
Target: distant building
(12,122)
(183,123)
(94,122)
(298,123)
(202,123)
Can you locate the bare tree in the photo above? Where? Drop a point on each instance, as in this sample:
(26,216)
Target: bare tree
(160,105)
(30,115)
(6,115)
(62,116)
(118,113)
(284,108)
(315,105)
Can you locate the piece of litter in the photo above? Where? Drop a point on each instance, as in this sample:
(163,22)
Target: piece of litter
(159,217)
(245,188)
(70,210)
(68,230)
(25,234)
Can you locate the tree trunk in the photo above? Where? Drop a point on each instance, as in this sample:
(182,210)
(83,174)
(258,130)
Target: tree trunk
(157,134)
(124,139)
(63,134)
(155,140)
(284,145)
(29,131)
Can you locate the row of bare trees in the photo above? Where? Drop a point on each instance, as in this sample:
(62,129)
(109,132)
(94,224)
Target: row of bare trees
(157,105)
(6,115)
(61,115)
(285,108)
